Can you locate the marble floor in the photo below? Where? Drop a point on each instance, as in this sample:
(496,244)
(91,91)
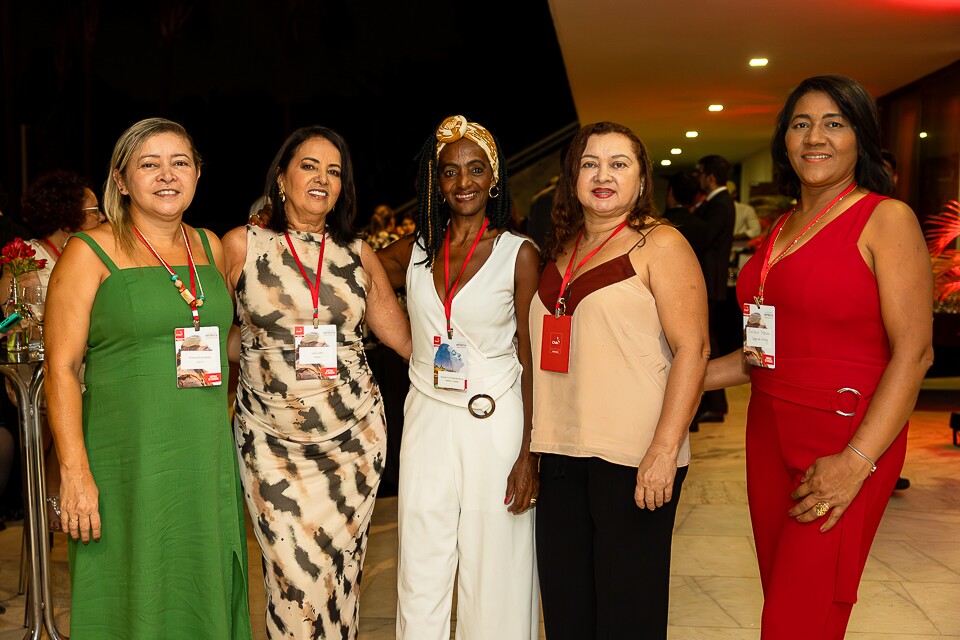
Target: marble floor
(910,590)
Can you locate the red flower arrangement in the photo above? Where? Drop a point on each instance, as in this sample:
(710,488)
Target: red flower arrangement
(18,257)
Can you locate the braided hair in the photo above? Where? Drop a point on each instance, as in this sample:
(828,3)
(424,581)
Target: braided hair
(434,215)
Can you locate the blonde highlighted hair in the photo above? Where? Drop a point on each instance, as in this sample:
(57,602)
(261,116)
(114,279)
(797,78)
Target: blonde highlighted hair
(116,205)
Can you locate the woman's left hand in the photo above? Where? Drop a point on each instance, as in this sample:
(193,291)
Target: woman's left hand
(655,478)
(832,481)
(523,483)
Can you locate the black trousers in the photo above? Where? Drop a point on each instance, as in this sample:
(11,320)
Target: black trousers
(604,563)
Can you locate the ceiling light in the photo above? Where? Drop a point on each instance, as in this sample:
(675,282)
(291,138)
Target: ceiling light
(715,107)
(691,134)
(665,163)
(923,134)
(676,151)
(758,62)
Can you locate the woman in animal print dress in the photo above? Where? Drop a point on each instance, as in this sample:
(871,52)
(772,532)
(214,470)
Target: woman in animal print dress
(309,418)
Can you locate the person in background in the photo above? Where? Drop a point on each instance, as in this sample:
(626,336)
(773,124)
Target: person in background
(620,344)
(719,214)
(148,468)
(55,206)
(382,228)
(308,418)
(539,224)
(682,190)
(746,224)
(845,279)
(468,481)
(407,224)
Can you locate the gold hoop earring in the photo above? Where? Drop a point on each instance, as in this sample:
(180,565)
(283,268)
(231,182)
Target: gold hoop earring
(491,193)
(283,196)
(443,199)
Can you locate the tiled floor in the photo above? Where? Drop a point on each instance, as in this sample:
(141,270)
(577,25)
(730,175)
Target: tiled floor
(910,591)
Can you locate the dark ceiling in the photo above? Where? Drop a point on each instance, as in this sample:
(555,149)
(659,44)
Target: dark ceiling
(242,74)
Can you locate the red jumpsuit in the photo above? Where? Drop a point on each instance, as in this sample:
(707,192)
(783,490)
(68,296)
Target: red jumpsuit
(829,336)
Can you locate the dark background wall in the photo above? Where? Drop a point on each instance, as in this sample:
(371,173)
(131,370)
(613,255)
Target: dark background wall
(241,74)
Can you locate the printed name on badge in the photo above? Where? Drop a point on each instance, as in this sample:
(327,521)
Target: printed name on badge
(198,357)
(316,352)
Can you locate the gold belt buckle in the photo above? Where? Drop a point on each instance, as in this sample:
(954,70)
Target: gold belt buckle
(481,414)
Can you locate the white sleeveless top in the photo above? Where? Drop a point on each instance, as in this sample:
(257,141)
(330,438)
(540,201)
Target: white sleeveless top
(483,313)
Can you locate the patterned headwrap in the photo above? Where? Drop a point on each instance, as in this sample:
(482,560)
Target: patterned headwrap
(456,127)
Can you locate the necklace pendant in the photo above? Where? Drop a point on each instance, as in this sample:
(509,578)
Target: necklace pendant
(187,296)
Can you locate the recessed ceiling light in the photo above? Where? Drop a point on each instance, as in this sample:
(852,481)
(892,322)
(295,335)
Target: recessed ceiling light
(676,151)
(923,134)
(715,107)
(665,163)
(691,134)
(758,62)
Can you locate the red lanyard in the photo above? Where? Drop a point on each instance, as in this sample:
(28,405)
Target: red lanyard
(571,270)
(56,252)
(314,286)
(452,291)
(190,297)
(767,263)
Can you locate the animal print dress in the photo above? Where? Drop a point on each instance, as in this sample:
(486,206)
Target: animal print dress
(311,451)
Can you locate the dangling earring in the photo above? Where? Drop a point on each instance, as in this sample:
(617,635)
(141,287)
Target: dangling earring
(641,190)
(443,199)
(283,196)
(491,192)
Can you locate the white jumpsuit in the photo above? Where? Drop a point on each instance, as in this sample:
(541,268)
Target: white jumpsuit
(454,468)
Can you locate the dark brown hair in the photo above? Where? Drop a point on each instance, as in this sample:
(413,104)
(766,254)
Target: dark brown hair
(567,211)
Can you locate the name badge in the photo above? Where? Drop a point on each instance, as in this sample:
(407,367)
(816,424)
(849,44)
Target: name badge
(759,335)
(450,363)
(198,357)
(316,352)
(555,343)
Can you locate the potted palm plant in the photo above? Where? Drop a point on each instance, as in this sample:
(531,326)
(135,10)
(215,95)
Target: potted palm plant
(941,233)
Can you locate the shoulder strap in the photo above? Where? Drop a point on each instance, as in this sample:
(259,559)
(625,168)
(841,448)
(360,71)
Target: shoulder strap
(206,247)
(97,250)
(861,211)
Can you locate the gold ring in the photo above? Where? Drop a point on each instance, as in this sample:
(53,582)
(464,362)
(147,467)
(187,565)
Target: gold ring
(821,508)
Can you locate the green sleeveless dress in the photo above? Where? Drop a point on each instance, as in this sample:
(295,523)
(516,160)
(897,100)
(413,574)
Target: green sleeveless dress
(172,560)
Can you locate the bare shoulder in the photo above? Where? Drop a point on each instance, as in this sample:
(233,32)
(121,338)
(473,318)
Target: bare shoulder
(528,258)
(234,243)
(399,251)
(663,236)
(892,220)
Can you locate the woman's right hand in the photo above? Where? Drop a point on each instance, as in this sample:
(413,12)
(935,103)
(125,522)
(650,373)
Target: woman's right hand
(79,505)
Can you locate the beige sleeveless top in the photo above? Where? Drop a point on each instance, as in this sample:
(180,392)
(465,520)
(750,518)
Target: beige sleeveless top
(608,405)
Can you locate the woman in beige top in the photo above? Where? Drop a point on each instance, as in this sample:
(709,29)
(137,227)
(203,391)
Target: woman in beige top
(619,333)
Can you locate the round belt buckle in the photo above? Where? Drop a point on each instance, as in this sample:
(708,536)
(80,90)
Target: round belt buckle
(841,392)
(481,413)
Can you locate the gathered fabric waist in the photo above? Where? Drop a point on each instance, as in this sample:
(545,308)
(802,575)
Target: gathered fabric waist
(493,377)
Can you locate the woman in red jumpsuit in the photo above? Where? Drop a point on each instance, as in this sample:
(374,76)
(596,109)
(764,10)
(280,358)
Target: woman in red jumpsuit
(838,315)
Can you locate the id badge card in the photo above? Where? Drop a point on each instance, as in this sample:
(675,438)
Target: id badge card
(316,351)
(450,363)
(759,335)
(555,343)
(198,357)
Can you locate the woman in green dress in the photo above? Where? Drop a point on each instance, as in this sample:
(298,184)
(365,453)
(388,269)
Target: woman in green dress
(148,468)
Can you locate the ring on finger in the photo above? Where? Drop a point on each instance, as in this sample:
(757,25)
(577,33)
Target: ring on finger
(821,508)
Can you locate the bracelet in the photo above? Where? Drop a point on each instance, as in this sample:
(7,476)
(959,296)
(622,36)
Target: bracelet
(873,465)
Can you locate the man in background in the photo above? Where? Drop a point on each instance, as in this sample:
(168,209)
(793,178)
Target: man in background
(719,215)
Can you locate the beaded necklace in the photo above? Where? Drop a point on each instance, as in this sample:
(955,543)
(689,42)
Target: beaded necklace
(190,297)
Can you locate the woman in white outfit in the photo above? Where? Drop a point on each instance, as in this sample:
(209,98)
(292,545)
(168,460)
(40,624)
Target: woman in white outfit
(467,477)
